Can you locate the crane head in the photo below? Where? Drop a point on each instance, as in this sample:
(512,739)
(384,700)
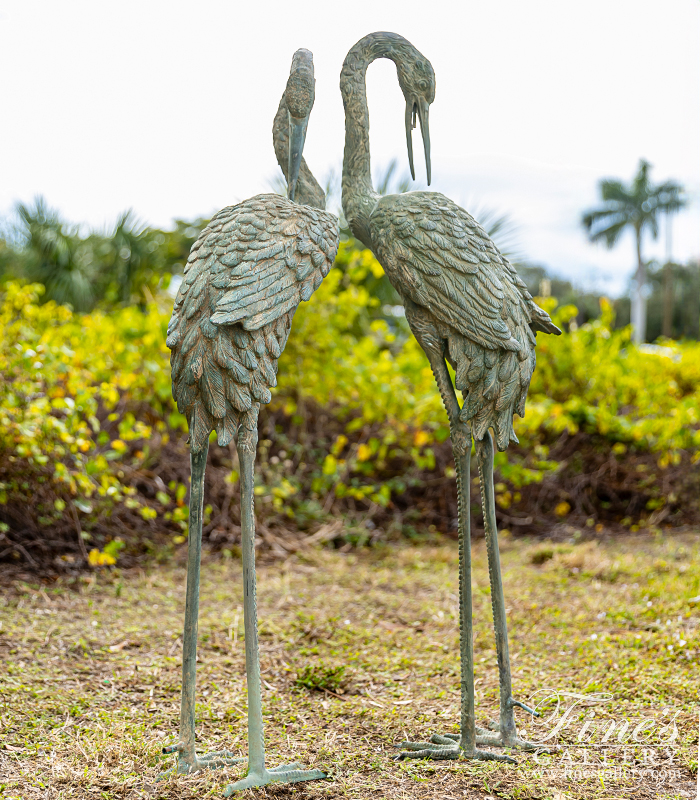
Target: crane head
(299,95)
(417,80)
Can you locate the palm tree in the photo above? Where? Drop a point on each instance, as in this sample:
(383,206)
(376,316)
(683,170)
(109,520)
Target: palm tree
(635,206)
(132,247)
(55,255)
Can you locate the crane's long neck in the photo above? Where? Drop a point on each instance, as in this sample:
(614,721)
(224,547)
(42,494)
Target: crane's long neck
(308,191)
(359,197)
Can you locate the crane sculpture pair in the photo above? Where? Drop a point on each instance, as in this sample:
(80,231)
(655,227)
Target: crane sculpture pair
(247,273)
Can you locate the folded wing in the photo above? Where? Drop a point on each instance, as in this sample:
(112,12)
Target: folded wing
(245,276)
(448,264)
(437,255)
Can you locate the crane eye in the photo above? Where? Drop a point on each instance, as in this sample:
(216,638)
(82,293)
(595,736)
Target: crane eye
(423,85)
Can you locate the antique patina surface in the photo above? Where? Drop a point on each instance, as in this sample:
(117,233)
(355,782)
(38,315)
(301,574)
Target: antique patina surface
(246,274)
(466,305)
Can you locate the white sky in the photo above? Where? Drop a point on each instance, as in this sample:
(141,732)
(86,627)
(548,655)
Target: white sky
(167,107)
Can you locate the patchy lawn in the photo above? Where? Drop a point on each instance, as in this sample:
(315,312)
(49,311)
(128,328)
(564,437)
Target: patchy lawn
(90,682)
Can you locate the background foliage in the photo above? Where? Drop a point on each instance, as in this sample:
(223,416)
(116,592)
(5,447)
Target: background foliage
(93,454)
(94,464)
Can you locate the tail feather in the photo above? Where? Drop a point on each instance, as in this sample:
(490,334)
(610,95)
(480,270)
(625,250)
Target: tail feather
(226,429)
(496,384)
(238,395)
(490,384)
(200,426)
(221,373)
(212,387)
(273,345)
(504,428)
(540,319)
(481,422)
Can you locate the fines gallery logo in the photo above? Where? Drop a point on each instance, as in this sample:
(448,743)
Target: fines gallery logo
(582,738)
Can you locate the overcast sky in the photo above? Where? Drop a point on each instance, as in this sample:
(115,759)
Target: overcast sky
(166,107)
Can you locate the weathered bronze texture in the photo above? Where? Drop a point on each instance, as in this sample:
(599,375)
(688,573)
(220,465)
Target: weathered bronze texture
(245,276)
(465,305)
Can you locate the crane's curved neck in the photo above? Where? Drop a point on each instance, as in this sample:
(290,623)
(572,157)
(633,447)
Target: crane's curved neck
(359,197)
(308,191)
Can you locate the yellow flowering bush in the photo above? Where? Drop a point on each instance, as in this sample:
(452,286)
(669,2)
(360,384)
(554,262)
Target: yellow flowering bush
(595,379)
(60,371)
(86,416)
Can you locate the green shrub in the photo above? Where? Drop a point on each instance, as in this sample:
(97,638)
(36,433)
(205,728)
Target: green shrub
(85,409)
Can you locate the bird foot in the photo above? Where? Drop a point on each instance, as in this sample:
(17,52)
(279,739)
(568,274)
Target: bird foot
(285,773)
(440,748)
(485,736)
(188,764)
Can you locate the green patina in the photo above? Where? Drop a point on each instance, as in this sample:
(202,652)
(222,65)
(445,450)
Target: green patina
(247,273)
(466,305)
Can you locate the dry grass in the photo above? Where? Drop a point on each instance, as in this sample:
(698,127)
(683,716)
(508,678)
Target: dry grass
(90,680)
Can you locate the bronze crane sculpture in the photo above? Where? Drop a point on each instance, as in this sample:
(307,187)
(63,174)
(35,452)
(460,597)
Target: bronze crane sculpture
(245,276)
(465,304)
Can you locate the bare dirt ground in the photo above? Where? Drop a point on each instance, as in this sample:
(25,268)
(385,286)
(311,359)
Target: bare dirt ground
(90,679)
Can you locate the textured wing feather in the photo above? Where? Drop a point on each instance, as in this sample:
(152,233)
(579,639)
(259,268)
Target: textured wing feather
(462,290)
(443,259)
(245,276)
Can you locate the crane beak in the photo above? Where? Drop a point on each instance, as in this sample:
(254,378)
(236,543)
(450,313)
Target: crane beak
(410,124)
(419,108)
(423,108)
(297,136)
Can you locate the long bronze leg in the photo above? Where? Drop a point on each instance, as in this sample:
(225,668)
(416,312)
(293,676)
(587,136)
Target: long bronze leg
(508,735)
(258,774)
(188,761)
(452,746)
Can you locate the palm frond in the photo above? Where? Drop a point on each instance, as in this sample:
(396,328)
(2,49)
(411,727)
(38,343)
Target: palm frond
(636,205)
(613,191)
(501,229)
